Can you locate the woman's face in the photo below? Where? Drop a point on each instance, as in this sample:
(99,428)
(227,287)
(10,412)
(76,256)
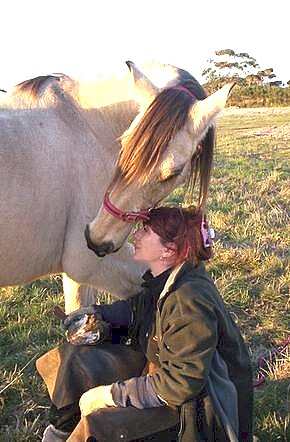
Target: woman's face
(147,246)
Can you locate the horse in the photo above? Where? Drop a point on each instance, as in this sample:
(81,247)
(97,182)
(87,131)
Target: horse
(61,142)
(170,143)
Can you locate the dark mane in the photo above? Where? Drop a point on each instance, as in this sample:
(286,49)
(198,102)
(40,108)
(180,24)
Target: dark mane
(201,161)
(142,148)
(167,114)
(33,86)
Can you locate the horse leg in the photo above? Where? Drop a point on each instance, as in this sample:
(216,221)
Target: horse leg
(77,295)
(87,295)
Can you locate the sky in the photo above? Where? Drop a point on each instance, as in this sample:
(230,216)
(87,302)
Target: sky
(87,37)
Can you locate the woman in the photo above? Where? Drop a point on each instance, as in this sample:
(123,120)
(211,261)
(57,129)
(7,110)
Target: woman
(202,371)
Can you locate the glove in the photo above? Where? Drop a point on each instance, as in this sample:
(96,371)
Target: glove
(86,326)
(95,398)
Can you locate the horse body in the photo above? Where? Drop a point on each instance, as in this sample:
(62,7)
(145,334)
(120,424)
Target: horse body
(56,160)
(33,195)
(59,141)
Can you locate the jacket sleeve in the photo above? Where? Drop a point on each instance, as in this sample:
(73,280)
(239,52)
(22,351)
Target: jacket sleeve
(137,392)
(119,313)
(187,345)
(124,313)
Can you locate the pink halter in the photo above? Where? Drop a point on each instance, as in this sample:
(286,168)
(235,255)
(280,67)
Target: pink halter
(128,217)
(179,87)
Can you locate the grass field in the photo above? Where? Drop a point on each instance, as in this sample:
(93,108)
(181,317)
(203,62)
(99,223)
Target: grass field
(250,191)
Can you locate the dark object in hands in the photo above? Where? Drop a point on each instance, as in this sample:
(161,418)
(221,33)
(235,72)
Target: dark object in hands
(85,326)
(59,313)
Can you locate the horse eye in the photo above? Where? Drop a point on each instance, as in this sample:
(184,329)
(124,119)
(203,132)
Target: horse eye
(173,175)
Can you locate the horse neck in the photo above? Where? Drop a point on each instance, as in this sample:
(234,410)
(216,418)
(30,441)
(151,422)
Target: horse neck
(106,104)
(117,117)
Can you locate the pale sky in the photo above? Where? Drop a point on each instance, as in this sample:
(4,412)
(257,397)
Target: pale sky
(80,37)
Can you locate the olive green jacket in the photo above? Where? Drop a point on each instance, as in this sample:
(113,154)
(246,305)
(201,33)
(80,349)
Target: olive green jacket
(191,325)
(182,333)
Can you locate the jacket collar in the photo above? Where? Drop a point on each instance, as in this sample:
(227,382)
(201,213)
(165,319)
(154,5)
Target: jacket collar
(158,285)
(188,267)
(177,274)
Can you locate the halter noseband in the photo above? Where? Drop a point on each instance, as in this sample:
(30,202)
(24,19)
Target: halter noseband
(128,217)
(143,215)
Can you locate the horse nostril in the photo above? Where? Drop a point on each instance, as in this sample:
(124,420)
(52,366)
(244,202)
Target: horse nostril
(100,254)
(104,249)
(100,250)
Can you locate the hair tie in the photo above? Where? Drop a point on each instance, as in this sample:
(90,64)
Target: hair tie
(208,234)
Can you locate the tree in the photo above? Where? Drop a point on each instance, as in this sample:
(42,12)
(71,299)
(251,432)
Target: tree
(238,67)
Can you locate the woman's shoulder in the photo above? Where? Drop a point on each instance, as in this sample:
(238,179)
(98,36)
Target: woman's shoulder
(193,278)
(194,287)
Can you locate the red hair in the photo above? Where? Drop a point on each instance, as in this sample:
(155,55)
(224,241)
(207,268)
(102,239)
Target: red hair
(183,228)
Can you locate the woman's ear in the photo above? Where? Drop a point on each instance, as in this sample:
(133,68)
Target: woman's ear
(169,250)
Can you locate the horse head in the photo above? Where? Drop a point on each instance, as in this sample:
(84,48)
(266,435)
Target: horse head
(168,144)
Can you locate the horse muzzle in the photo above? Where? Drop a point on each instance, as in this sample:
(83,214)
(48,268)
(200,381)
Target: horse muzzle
(100,250)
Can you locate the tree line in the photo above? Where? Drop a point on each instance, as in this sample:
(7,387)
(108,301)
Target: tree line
(254,86)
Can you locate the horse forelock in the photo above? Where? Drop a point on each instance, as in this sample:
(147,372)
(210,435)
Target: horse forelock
(200,168)
(202,158)
(141,149)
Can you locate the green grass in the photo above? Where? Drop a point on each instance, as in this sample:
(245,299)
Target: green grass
(249,209)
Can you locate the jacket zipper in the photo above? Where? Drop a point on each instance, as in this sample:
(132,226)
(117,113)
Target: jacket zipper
(158,315)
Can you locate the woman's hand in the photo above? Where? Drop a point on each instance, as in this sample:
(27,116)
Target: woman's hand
(95,398)
(86,326)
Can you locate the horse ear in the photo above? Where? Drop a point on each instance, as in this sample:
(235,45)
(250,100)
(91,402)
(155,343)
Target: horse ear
(146,90)
(204,112)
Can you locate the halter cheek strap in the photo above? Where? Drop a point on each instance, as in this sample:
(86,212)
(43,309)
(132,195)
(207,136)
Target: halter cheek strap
(128,217)
(179,87)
